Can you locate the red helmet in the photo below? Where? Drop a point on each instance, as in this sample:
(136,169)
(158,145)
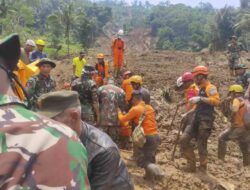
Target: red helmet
(200,70)
(187,77)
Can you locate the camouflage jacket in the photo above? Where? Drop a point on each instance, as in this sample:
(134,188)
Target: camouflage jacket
(243,80)
(87,91)
(38,85)
(111,98)
(234,50)
(38,153)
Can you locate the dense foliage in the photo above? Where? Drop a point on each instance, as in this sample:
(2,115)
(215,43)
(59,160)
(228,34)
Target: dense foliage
(176,27)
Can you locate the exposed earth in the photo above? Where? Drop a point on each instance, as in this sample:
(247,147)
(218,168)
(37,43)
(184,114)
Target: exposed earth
(160,69)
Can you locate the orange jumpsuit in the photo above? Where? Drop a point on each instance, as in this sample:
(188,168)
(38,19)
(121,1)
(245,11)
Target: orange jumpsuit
(102,73)
(118,52)
(128,89)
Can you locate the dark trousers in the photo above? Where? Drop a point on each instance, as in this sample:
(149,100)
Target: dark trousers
(200,130)
(147,153)
(241,135)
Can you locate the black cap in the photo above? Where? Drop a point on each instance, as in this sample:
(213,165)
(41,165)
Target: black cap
(10,51)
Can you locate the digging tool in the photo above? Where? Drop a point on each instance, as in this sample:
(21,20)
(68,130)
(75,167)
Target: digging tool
(176,141)
(175,113)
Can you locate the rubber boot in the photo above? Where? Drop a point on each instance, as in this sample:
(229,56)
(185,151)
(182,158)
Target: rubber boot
(203,164)
(191,166)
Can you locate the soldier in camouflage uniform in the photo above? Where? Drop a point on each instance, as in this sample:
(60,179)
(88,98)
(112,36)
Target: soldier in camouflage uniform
(42,83)
(87,91)
(35,152)
(111,98)
(234,49)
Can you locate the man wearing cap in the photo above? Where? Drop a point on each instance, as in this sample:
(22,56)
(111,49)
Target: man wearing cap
(25,52)
(38,54)
(146,155)
(111,98)
(234,49)
(78,64)
(43,82)
(36,152)
(87,90)
(106,170)
(243,78)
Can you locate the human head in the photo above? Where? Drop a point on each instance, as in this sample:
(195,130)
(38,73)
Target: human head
(62,106)
(136,97)
(40,45)
(100,57)
(240,69)
(187,79)
(88,70)
(136,82)
(30,45)
(200,74)
(234,39)
(45,66)
(120,33)
(127,75)
(236,91)
(82,55)
(9,55)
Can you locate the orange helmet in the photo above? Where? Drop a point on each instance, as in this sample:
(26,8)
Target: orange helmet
(200,70)
(100,56)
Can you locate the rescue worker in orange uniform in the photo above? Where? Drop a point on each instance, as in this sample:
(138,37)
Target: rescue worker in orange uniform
(127,87)
(146,154)
(136,82)
(238,130)
(102,68)
(190,90)
(118,53)
(202,124)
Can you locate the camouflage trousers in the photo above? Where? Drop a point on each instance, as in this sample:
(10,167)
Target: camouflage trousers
(242,136)
(233,62)
(200,130)
(147,153)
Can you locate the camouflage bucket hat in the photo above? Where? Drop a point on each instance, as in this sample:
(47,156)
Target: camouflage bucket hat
(54,103)
(46,61)
(10,51)
(240,66)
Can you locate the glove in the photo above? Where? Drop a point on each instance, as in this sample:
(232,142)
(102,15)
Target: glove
(195,100)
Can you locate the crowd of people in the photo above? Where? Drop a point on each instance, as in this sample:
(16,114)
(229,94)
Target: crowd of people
(69,139)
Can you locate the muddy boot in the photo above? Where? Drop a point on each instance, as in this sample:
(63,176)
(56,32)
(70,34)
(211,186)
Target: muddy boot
(154,172)
(190,167)
(246,159)
(203,164)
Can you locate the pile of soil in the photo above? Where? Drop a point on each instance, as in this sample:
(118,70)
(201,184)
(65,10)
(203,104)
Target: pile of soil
(160,69)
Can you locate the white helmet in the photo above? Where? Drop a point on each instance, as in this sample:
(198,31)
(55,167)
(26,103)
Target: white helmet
(120,33)
(179,82)
(31,43)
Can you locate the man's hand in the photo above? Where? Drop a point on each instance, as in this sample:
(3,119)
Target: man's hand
(195,100)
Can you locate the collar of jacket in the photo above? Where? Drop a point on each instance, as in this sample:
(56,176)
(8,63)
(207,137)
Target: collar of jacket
(41,76)
(205,84)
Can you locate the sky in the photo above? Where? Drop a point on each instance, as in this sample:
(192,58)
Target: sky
(215,3)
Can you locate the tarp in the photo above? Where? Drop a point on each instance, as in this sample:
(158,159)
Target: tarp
(23,73)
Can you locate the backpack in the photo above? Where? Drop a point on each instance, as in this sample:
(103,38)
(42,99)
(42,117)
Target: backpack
(247,113)
(138,135)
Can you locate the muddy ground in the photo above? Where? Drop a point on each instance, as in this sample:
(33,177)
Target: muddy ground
(160,70)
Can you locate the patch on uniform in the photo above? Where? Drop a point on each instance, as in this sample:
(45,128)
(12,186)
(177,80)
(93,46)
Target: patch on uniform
(212,91)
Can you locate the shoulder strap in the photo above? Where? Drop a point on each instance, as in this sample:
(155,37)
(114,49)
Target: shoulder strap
(142,117)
